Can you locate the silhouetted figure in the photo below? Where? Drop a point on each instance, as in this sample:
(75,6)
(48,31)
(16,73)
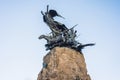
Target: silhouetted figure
(60,35)
(55,26)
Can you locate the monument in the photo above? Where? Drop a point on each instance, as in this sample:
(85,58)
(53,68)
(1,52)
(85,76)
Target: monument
(65,60)
(60,36)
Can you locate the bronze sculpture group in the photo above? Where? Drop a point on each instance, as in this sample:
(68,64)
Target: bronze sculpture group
(60,36)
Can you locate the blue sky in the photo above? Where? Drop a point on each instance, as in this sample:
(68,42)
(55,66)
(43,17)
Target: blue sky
(21,24)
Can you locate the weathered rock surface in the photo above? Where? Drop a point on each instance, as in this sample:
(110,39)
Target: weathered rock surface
(63,63)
